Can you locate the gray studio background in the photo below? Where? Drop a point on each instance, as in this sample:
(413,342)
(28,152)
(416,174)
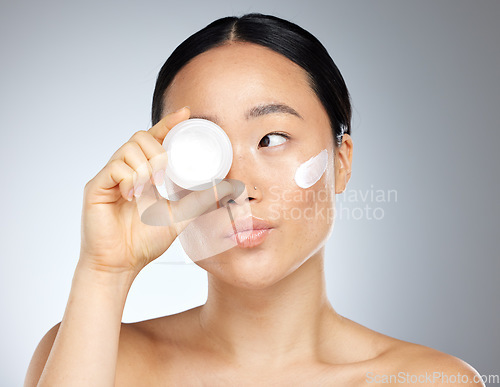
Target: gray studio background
(77,81)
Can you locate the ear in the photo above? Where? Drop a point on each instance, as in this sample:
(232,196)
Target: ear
(343,162)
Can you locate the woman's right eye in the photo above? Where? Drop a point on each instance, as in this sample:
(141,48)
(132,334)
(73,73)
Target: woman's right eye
(265,140)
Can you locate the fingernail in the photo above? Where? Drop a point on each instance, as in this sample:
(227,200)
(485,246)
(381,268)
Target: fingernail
(181,109)
(138,190)
(159,177)
(129,195)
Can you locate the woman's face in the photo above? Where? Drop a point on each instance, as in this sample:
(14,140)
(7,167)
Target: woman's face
(223,85)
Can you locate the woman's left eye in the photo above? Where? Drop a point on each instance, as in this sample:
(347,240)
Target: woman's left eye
(280,138)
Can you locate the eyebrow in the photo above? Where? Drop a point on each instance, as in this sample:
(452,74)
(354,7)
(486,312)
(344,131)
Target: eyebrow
(259,111)
(270,108)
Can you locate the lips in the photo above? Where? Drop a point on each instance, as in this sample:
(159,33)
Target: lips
(249,224)
(251,238)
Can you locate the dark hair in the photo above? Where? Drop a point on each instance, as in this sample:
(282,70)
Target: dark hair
(279,35)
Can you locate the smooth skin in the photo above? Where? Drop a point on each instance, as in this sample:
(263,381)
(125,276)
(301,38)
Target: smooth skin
(267,320)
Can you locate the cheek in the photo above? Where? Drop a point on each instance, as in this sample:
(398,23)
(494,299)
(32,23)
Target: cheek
(310,171)
(306,201)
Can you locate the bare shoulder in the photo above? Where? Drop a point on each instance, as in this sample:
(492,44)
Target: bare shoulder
(137,353)
(380,359)
(421,365)
(145,347)
(141,348)
(40,356)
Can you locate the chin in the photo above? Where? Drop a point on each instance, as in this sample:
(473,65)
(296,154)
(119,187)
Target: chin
(246,269)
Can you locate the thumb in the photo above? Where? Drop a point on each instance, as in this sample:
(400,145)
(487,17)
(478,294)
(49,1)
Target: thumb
(160,130)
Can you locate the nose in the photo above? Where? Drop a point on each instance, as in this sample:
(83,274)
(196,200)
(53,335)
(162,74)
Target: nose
(242,169)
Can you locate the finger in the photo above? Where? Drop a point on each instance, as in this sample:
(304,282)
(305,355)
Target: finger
(160,130)
(154,152)
(132,154)
(115,173)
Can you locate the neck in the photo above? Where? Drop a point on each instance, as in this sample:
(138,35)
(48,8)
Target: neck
(274,325)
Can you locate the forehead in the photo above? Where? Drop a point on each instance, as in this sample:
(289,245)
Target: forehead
(239,73)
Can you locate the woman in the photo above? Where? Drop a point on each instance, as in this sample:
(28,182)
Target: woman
(281,100)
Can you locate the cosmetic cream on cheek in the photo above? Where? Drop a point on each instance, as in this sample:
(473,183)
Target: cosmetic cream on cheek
(310,171)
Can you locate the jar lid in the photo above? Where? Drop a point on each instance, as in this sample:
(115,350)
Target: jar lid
(199,154)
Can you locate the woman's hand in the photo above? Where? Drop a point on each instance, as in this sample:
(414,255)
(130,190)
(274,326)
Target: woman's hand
(113,237)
